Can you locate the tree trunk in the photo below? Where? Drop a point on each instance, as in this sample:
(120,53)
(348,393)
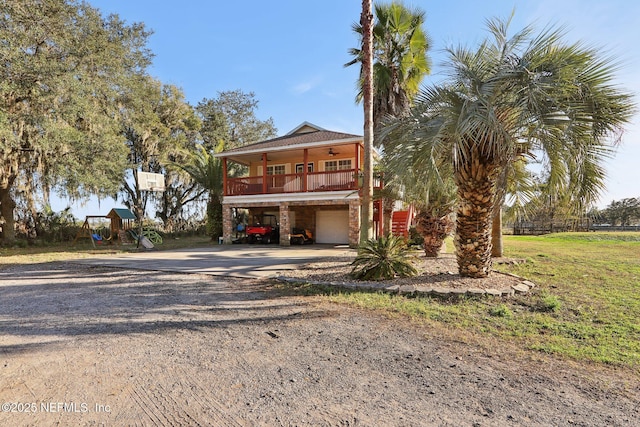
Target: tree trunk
(433,231)
(496,235)
(387,215)
(214,216)
(476,193)
(7,206)
(366,211)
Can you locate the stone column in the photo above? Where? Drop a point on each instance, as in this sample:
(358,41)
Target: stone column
(227,224)
(354,223)
(285,227)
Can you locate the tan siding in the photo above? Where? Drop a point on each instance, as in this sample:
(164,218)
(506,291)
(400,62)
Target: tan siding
(255,168)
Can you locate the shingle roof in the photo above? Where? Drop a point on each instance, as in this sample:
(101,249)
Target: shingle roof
(294,139)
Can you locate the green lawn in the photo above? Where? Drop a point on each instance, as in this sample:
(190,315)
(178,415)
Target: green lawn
(586,305)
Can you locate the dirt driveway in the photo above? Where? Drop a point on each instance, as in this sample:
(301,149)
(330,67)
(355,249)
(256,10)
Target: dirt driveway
(98,345)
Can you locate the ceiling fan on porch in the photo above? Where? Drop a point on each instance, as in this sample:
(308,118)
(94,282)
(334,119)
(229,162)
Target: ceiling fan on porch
(332,153)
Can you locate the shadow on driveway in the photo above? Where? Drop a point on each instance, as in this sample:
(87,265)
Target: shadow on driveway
(45,304)
(247,261)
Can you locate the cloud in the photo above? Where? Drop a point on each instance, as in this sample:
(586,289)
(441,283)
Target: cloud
(307,85)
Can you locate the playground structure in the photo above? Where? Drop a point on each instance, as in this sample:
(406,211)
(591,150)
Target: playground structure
(122,221)
(95,234)
(121,230)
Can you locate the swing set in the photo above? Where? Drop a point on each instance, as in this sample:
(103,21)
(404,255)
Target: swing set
(119,232)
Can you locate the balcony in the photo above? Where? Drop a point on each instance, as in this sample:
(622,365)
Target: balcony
(295,183)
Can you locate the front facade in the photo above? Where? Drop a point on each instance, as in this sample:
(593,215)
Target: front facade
(308,179)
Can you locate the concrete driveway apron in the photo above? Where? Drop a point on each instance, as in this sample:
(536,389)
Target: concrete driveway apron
(250,261)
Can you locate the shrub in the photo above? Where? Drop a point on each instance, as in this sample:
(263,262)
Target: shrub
(383,258)
(415,238)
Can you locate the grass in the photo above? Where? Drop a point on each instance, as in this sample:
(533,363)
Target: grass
(586,306)
(83,249)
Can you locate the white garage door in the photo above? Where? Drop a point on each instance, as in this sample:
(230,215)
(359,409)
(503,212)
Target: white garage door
(332,227)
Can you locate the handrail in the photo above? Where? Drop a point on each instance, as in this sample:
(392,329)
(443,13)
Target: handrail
(293,183)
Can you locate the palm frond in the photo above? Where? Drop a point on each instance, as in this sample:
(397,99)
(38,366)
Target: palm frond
(529,96)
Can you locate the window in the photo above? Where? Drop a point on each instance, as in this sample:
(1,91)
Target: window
(344,165)
(276,170)
(337,165)
(299,167)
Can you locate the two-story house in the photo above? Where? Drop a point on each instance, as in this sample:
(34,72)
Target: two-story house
(309,178)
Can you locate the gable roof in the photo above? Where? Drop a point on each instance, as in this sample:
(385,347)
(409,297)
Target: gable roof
(300,139)
(305,127)
(121,213)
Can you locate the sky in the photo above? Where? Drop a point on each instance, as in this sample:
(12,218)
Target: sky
(291,55)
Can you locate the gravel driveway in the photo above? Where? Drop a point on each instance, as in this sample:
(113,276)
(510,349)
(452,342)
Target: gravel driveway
(103,346)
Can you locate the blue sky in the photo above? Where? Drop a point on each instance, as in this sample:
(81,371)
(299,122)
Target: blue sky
(290,53)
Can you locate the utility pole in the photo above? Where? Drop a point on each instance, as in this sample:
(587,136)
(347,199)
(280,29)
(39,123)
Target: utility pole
(366,209)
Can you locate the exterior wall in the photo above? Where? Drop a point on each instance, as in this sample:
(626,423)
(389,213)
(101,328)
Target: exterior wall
(255,168)
(305,217)
(306,128)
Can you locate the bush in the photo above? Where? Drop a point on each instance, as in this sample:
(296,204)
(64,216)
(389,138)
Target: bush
(383,258)
(415,238)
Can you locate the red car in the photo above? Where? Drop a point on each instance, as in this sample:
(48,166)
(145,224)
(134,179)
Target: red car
(264,229)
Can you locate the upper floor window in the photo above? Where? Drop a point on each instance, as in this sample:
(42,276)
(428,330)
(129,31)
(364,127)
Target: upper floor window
(276,170)
(337,165)
(300,170)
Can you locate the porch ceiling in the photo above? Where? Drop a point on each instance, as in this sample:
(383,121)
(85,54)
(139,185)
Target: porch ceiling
(288,153)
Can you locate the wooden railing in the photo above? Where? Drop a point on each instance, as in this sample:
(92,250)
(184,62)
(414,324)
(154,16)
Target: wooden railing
(294,183)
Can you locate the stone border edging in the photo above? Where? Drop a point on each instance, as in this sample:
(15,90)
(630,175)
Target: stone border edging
(520,288)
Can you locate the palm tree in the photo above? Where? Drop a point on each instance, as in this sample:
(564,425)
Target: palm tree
(206,170)
(400,59)
(434,220)
(400,62)
(428,187)
(525,97)
(383,258)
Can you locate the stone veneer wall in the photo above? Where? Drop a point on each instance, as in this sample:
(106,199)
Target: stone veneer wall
(227,224)
(285,228)
(305,217)
(354,223)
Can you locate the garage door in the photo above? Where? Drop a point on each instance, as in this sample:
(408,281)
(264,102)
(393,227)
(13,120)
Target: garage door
(332,227)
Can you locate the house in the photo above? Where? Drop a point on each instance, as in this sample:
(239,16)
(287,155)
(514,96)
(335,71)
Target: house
(308,178)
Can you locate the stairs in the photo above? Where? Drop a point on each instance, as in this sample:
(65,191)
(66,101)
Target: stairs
(400,222)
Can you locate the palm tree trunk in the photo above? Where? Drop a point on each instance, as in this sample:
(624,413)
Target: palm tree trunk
(476,193)
(366,211)
(433,231)
(496,235)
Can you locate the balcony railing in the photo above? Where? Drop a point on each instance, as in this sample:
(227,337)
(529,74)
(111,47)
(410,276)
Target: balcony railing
(294,183)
